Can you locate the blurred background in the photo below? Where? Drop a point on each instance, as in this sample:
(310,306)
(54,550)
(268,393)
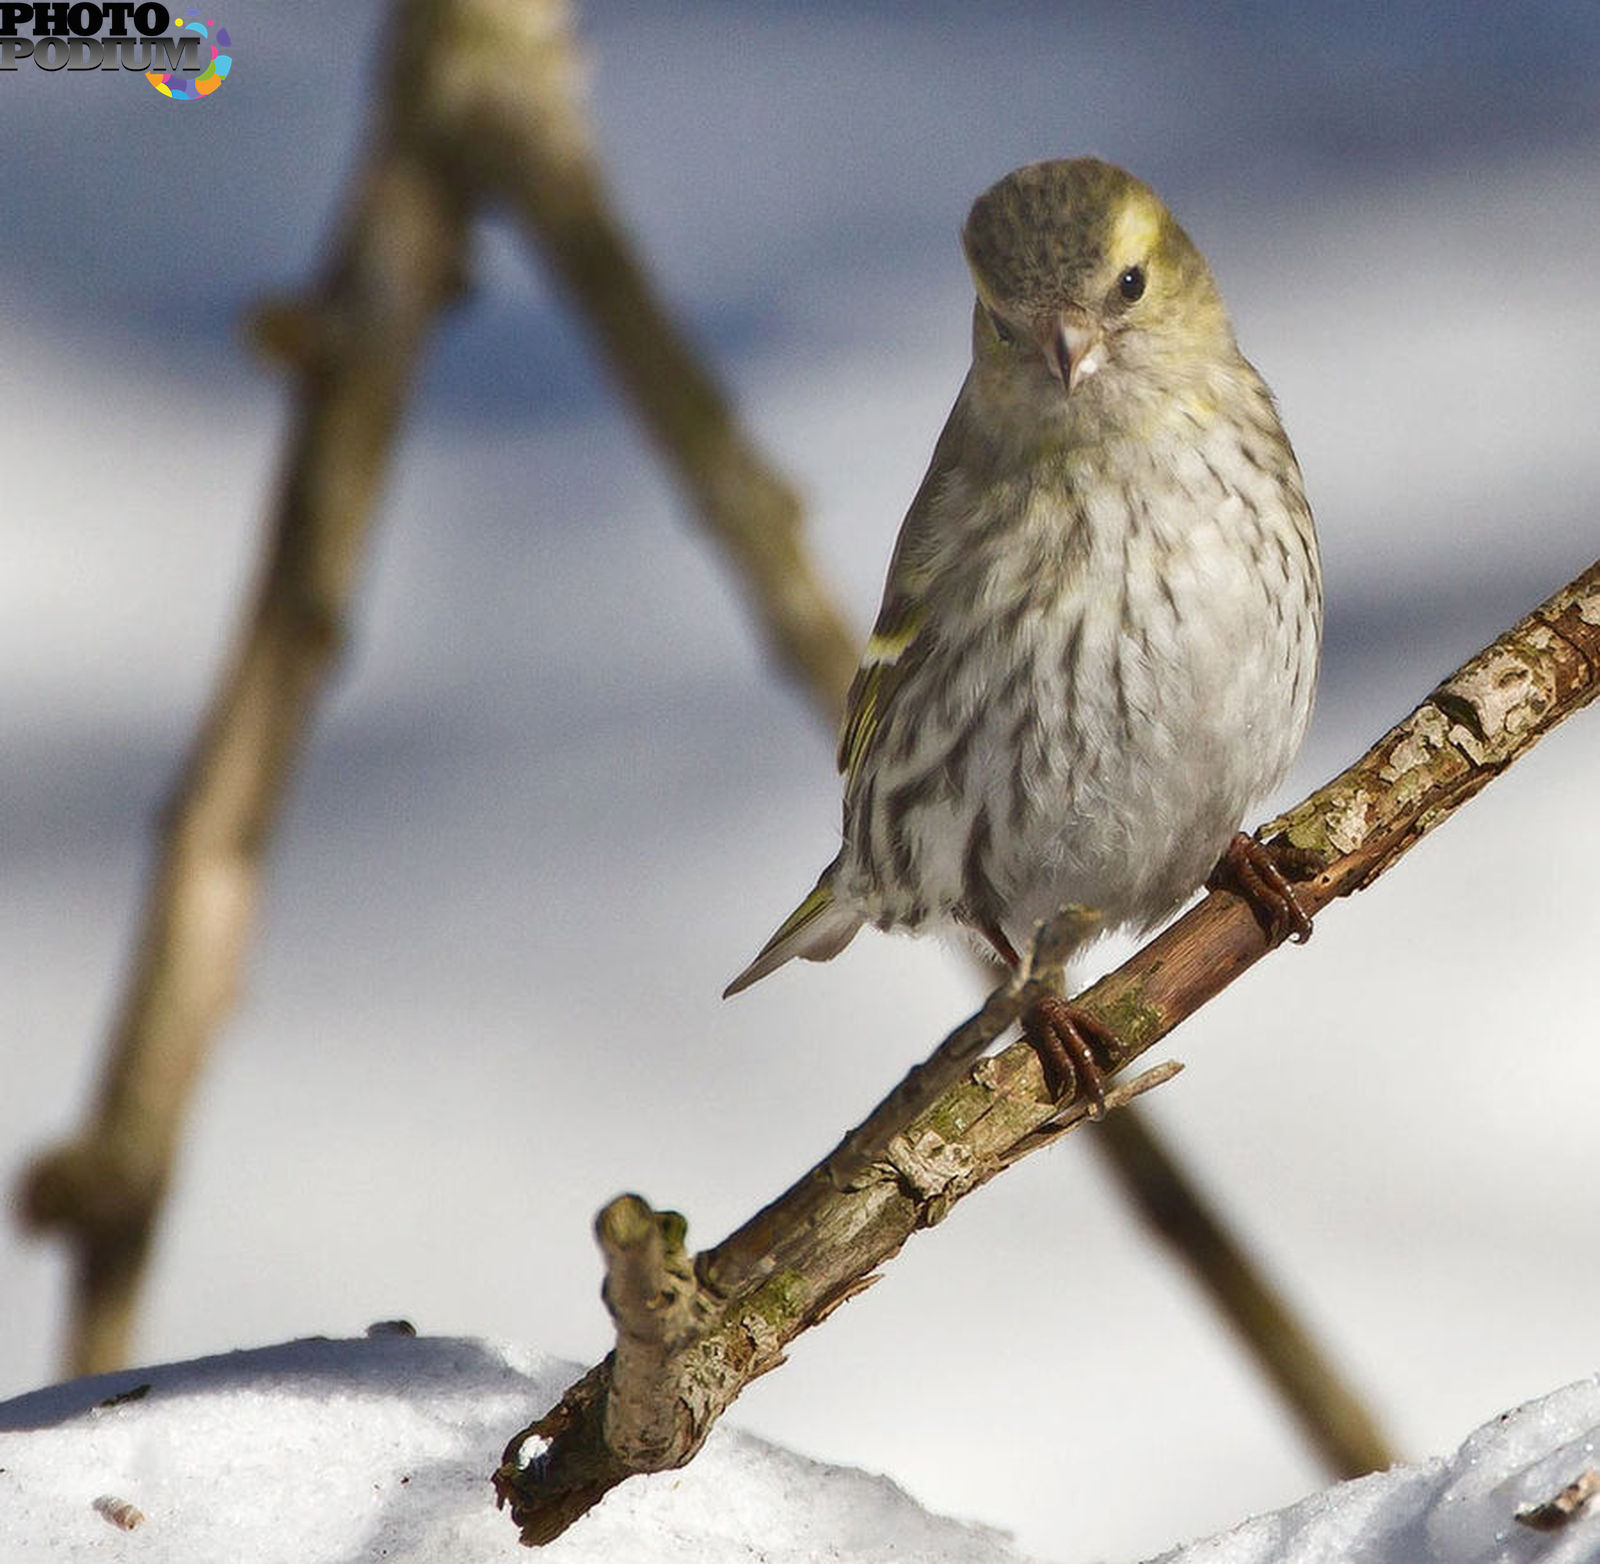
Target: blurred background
(555,738)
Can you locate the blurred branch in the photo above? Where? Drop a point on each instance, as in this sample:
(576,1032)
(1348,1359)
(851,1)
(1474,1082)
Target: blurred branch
(355,343)
(727,1316)
(519,133)
(1334,1420)
(481,100)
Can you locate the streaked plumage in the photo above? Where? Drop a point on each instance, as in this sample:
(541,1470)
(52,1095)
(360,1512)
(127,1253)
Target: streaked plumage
(1098,642)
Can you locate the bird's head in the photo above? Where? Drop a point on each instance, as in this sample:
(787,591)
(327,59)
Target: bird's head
(1085,280)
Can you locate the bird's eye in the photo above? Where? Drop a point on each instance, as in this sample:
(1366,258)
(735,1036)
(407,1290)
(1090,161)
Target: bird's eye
(1002,330)
(1131,284)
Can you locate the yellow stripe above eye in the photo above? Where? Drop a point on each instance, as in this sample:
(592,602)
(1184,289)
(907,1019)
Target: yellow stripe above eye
(1135,228)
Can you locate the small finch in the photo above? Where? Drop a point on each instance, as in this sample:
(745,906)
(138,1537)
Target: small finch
(1099,638)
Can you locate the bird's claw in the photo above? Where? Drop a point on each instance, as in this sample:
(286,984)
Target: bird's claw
(1065,1038)
(1260,874)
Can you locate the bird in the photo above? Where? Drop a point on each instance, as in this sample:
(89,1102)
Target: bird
(1099,637)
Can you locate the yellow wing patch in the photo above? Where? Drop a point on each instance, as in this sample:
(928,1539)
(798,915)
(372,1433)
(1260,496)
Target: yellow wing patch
(885,646)
(873,682)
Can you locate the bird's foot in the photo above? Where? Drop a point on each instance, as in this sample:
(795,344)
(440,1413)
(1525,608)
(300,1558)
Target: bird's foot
(1065,1038)
(1263,875)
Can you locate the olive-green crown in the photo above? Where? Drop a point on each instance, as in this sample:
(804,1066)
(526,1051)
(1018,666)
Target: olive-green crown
(1039,235)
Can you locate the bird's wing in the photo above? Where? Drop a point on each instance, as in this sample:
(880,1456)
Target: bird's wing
(892,651)
(902,636)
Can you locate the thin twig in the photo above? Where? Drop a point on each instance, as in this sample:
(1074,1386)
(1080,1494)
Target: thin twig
(818,1244)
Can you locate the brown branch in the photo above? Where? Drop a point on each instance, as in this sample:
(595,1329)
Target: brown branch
(547,172)
(822,1241)
(753,516)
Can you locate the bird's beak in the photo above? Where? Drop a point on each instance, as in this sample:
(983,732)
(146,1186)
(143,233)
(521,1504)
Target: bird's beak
(1073,346)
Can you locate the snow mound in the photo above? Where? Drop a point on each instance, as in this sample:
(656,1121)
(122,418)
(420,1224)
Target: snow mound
(381,1448)
(1462,1510)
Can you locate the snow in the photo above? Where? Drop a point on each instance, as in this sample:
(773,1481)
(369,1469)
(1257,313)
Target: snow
(1458,1510)
(380,1448)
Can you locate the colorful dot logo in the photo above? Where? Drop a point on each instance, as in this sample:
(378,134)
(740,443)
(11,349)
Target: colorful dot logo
(189,89)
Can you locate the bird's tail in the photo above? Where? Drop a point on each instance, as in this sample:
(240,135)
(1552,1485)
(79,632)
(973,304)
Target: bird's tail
(818,929)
